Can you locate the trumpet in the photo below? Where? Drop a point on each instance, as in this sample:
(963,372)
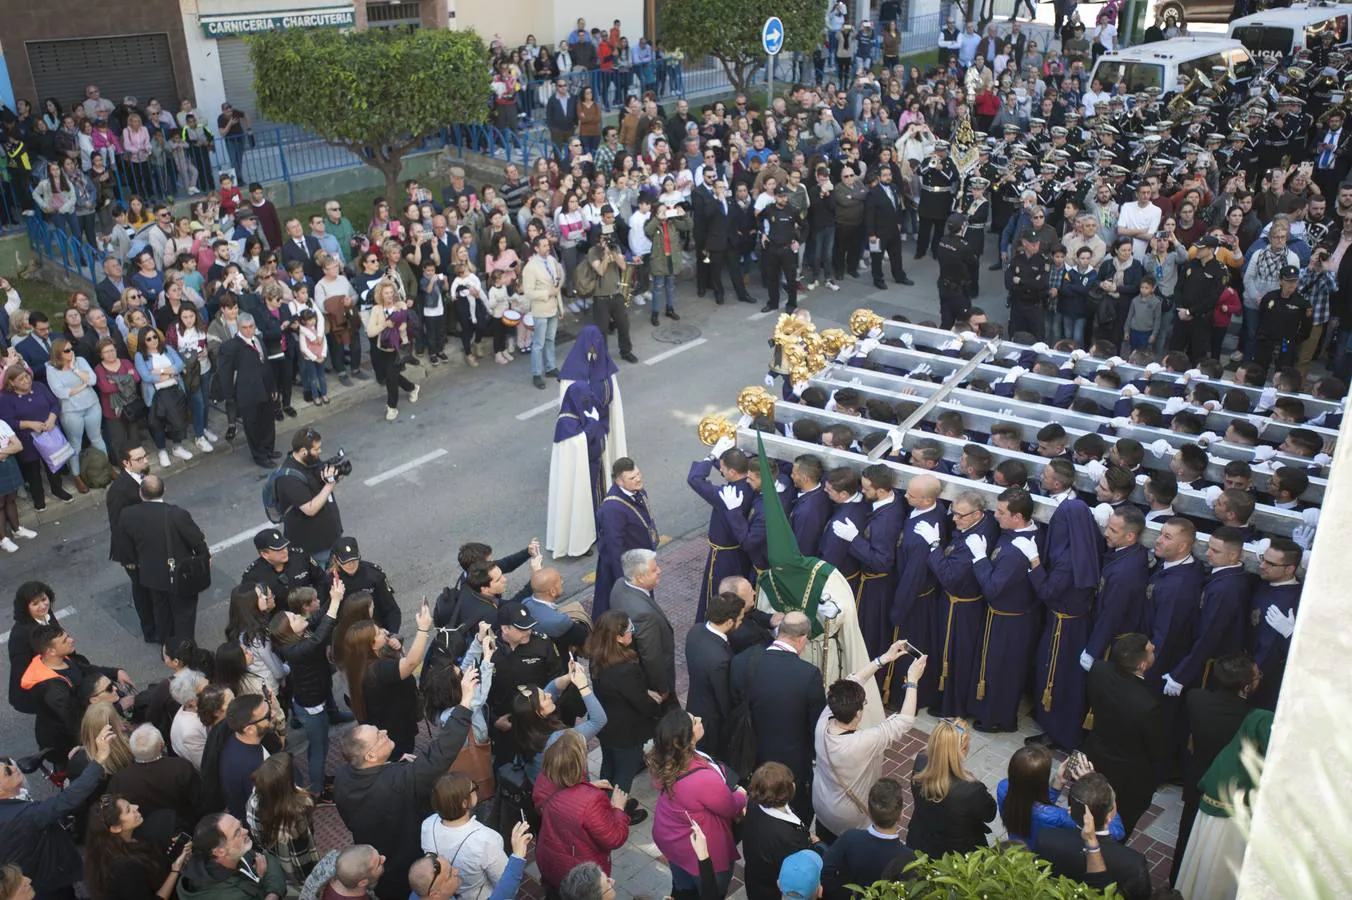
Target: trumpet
(711,429)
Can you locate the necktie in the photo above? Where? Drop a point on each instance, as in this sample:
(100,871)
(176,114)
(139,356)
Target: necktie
(1326,158)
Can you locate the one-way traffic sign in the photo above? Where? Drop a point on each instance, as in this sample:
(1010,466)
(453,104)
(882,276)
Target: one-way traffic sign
(772,35)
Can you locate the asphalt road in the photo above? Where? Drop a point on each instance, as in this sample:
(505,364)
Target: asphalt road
(469,461)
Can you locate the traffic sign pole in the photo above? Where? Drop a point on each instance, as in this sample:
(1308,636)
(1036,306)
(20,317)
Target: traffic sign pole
(769,81)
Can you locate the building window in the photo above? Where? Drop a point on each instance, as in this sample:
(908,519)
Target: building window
(394,14)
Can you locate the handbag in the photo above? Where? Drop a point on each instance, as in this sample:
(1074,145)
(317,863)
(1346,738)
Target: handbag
(188,575)
(476,761)
(53,447)
(513,800)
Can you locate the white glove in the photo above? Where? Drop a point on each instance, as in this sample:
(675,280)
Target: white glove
(906,340)
(846,354)
(769,381)
(845,530)
(1172,688)
(1193,375)
(828,610)
(1174,405)
(1267,398)
(1207,438)
(1264,452)
(1303,535)
(1259,422)
(797,387)
(1086,661)
(723,445)
(1006,413)
(1095,469)
(955,344)
(1014,374)
(927,532)
(1212,406)
(876,333)
(1026,546)
(1077,355)
(865,347)
(1102,513)
(1310,516)
(1282,623)
(923,369)
(1212,492)
(731,496)
(1162,447)
(898,438)
(1041,347)
(1113,362)
(970,336)
(1152,370)
(977,544)
(1142,478)
(1080,380)
(779,486)
(745,420)
(1119,421)
(1260,546)
(1322,459)
(1128,391)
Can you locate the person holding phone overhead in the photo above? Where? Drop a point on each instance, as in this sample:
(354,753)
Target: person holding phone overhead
(382,689)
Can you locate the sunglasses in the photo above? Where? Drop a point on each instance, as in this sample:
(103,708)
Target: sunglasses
(436,865)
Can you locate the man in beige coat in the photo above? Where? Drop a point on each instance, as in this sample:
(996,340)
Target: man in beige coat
(542,284)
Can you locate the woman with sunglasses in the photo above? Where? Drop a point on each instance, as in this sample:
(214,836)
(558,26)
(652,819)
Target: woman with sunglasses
(535,718)
(632,711)
(121,864)
(161,371)
(74,384)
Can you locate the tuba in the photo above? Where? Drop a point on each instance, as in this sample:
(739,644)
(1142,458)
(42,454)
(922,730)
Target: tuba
(713,428)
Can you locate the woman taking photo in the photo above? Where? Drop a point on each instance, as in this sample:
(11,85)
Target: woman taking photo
(772,830)
(11,479)
(160,369)
(1026,802)
(233,664)
(121,864)
(580,821)
(188,335)
(535,718)
(32,608)
(30,409)
(310,679)
(72,382)
(281,815)
(632,711)
(952,806)
(692,787)
(381,688)
(452,832)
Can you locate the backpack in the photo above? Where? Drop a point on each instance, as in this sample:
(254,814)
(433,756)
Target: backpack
(271,505)
(585,279)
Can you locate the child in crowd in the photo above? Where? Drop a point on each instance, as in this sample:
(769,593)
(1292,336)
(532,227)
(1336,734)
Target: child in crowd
(432,287)
(313,351)
(1143,316)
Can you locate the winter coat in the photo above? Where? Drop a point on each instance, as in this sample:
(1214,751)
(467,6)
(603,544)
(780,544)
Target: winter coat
(578,825)
(208,881)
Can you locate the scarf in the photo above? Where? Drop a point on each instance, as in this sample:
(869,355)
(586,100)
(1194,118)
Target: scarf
(1227,775)
(1269,264)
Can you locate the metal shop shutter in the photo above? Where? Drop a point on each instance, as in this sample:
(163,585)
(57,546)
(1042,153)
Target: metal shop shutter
(237,76)
(135,65)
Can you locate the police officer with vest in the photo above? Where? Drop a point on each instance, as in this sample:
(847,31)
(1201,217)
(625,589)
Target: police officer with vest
(1026,279)
(357,574)
(1200,283)
(957,271)
(282,570)
(780,230)
(523,657)
(938,183)
(1284,321)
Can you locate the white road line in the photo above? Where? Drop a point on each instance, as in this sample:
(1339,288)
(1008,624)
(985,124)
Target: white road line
(406,467)
(542,408)
(762,315)
(668,354)
(245,535)
(64,612)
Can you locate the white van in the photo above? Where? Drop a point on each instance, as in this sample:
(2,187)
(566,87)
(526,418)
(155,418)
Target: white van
(1274,34)
(1170,65)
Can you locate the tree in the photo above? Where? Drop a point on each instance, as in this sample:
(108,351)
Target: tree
(731,32)
(378,93)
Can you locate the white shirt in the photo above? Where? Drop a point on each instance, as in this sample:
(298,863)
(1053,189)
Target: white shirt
(879,504)
(639,244)
(1178,562)
(1134,217)
(713,630)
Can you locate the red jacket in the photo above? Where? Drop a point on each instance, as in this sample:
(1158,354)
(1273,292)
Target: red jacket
(1226,306)
(577,825)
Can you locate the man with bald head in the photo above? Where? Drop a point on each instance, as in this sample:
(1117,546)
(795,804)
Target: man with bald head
(351,873)
(147,537)
(433,877)
(757,627)
(915,604)
(546,592)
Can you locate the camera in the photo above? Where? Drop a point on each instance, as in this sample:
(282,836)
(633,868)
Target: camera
(342,466)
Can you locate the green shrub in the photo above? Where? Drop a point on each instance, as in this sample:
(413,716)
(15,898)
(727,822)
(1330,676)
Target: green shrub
(987,874)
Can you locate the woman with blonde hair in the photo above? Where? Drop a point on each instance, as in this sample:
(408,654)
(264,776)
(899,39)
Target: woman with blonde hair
(952,806)
(74,384)
(15,885)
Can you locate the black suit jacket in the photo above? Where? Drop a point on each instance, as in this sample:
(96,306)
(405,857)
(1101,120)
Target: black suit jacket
(882,218)
(654,640)
(148,535)
(85,347)
(559,118)
(107,294)
(1213,719)
(167,783)
(124,492)
(1064,849)
(290,251)
(712,230)
(245,378)
(785,700)
(708,659)
(1127,743)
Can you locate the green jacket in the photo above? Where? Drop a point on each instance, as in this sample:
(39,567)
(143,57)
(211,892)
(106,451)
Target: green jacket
(209,881)
(677,227)
(344,233)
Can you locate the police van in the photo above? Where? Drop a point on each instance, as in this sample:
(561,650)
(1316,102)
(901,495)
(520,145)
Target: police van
(1274,34)
(1170,65)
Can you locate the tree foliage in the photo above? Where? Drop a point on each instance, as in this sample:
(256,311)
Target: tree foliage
(731,31)
(378,92)
(984,874)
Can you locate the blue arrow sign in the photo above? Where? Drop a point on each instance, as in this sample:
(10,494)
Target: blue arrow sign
(772,35)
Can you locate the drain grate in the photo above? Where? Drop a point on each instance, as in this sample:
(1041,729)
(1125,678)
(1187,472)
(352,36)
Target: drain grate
(675,333)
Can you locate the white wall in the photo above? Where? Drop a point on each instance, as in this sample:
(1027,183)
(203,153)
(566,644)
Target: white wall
(550,22)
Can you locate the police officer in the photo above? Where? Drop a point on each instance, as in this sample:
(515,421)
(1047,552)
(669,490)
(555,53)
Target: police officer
(957,271)
(524,657)
(281,571)
(1026,281)
(938,182)
(1284,321)
(1200,283)
(780,227)
(359,575)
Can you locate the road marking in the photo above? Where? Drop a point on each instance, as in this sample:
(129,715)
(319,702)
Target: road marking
(762,315)
(406,467)
(681,348)
(245,535)
(64,612)
(532,413)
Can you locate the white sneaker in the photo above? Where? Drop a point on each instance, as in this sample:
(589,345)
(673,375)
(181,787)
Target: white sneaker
(182,453)
(391,414)
(640,299)
(413,394)
(164,459)
(204,445)
(210,435)
(811,285)
(26,533)
(8,546)
(831,283)
(575,307)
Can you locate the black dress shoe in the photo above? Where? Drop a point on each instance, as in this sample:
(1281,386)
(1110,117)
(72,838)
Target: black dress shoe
(718,300)
(655,319)
(552,373)
(746,299)
(671,314)
(278,415)
(264,464)
(629,357)
(538,382)
(989,729)
(993,267)
(920,255)
(636,816)
(880,285)
(1044,739)
(769,307)
(905,280)
(290,411)
(274,454)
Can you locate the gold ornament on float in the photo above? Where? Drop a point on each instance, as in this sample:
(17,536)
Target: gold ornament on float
(713,428)
(862,321)
(835,340)
(755,401)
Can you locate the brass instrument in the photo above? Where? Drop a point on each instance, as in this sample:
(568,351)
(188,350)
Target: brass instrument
(755,401)
(627,284)
(711,429)
(862,321)
(1182,101)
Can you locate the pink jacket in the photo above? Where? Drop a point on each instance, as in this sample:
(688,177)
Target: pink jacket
(703,793)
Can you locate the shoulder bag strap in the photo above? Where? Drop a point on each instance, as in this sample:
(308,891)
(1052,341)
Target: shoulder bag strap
(826,754)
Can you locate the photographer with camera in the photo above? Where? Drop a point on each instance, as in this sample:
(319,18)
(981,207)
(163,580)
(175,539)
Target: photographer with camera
(606,258)
(310,518)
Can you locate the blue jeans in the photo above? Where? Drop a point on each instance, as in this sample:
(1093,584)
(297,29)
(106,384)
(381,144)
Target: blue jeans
(1072,328)
(1250,333)
(817,259)
(77,425)
(317,737)
(1138,340)
(197,406)
(664,286)
(542,347)
(313,377)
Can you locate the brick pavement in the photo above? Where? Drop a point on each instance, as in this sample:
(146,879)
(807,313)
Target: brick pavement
(638,867)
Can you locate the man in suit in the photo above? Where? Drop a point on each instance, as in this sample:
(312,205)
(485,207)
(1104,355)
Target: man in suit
(245,378)
(109,290)
(154,536)
(623,523)
(1214,716)
(713,239)
(785,698)
(757,627)
(654,639)
(708,659)
(882,227)
(298,247)
(36,349)
(1127,744)
(98,328)
(123,493)
(561,114)
(1089,855)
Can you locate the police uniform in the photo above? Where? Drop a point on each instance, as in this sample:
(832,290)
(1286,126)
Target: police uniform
(780,227)
(957,272)
(300,570)
(1199,289)
(938,181)
(371,578)
(1026,281)
(534,663)
(1283,322)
